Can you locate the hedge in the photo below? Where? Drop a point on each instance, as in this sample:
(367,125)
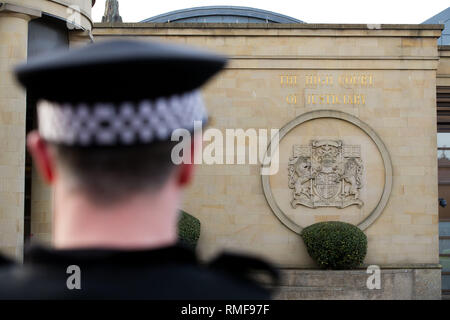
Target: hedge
(335,245)
(188,230)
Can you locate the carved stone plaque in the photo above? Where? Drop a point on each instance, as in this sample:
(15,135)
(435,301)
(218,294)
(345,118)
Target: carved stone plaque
(325,173)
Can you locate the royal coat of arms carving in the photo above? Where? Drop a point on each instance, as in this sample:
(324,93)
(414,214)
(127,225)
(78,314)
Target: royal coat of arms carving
(326,173)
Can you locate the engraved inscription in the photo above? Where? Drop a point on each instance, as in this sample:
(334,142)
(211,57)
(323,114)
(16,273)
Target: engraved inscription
(288,80)
(327,88)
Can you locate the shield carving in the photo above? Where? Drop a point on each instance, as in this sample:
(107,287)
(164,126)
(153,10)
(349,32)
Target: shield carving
(326,173)
(327,185)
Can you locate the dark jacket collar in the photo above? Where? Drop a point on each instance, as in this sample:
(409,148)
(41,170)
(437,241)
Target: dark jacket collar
(38,254)
(4,261)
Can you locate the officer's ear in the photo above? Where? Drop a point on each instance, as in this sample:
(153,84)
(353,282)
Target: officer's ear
(186,170)
(41,155)
(186,173)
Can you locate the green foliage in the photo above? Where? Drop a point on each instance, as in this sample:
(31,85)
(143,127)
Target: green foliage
(335,245)
(188,229)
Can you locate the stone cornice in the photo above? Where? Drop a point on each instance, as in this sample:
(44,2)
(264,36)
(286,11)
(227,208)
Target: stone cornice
(275,26)
(53,8)
(82,12)
(8,7)
(270,29)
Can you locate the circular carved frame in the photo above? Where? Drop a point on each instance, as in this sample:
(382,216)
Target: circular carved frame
(320,114)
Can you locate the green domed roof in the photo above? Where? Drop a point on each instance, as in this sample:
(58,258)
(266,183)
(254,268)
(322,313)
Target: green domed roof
(222,14)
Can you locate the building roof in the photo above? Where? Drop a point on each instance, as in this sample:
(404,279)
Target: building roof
(222,14)
(442,17)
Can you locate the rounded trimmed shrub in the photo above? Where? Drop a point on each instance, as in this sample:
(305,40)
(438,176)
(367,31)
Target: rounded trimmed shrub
(335,245)
(188,229)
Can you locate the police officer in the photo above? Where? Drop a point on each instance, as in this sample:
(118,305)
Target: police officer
(106,113)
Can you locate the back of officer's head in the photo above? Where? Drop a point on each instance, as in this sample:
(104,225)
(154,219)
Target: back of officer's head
(109,175)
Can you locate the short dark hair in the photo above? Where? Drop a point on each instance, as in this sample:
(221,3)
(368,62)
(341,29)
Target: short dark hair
(108,175)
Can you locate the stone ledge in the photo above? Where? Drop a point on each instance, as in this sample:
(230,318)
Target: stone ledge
(405,284)
(364,267)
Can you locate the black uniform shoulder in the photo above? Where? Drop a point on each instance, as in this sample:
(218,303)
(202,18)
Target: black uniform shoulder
(158,274)
(6,262)
(247,268)
(235,277)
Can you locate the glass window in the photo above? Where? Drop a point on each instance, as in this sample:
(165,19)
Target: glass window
(443,139)
(445,262)
(444,246)
(444,229)
(443,142)
(445,282)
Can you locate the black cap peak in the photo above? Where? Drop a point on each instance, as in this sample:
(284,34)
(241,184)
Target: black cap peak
(120,70)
